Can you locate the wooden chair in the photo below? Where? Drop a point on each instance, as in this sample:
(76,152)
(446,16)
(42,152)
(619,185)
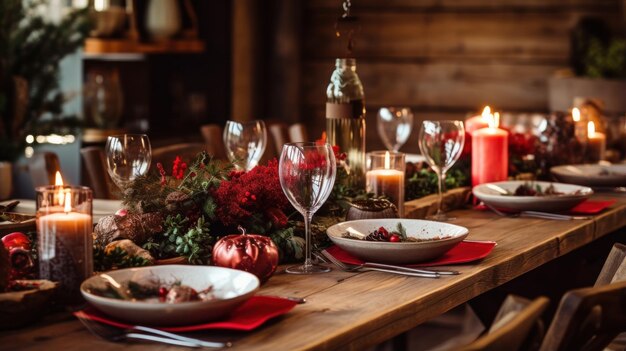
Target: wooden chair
(588,319)
(297,133)
(512,325)
(280,134)
(614,269)
(43,167)
(166,154)
(213,137)
(97,176)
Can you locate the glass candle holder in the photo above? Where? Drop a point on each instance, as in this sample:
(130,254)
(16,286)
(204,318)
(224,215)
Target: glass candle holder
(64,233)
(385,176)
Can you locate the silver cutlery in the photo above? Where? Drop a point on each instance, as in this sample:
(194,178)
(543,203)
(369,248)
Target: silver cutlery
(537,214)
(115,334)
(355,268)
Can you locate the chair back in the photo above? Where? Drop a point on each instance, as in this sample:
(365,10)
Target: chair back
(97,176)
(166,154)
(512,327)
(43,167)
(214,140)
(614,269)
(588,319)
(297,133)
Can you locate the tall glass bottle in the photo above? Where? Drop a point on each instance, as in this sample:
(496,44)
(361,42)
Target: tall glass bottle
(345,118)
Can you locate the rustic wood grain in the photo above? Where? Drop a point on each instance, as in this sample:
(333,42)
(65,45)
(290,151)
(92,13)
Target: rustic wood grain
(614,269)
(354,310)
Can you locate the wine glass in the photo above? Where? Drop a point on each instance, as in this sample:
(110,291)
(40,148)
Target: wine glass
(307,175)
(245,143)
(394,126)
(441,142)
(128,156)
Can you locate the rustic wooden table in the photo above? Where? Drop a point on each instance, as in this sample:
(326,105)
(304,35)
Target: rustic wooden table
(356,310)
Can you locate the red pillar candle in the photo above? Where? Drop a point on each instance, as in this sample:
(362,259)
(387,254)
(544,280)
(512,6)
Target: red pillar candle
(478,122)
(490,155)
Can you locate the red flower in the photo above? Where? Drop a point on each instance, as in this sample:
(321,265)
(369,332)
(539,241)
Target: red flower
(162,173)
(178,168)
(247,194)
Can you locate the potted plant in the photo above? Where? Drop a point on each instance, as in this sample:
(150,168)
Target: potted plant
(31,48)
(598,69)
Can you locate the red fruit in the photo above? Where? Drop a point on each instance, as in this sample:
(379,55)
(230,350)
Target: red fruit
(383,231)
(16,239)
(394,238)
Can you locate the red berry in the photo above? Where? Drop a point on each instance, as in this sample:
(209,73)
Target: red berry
(394,238)
(163,291)
(383,231)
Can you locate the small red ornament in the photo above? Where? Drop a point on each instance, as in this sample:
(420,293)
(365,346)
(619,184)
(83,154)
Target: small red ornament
(256,254)
(18,245)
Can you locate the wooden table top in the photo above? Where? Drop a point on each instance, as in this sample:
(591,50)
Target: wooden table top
(356,310)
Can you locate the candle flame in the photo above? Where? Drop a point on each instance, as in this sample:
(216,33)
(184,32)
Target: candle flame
(496,120)
(486,114)
(591,129)
(58,180)
(576,114)
(387,160)
(68,203)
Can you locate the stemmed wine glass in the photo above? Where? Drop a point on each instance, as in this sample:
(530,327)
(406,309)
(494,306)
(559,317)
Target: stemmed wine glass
(394,126)
(245,142)
(307,175)
(128,156)
(441,142)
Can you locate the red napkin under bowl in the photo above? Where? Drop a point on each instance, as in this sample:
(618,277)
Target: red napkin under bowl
(252,314)
(591,206)
(465,251)
(585,207)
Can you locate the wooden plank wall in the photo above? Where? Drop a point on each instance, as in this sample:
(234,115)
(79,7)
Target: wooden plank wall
(444,58)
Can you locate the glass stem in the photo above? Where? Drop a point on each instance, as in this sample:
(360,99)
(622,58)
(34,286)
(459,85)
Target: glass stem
(441,176)
(307,238)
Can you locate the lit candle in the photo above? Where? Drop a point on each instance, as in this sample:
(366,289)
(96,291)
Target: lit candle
(478,122)
(596,143)
(387,180)
(580,125)
(64,232)
(490,153)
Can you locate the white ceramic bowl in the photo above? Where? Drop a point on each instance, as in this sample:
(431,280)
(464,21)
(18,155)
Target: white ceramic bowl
(594,175)
(232,287)
(491,194)
(402,252)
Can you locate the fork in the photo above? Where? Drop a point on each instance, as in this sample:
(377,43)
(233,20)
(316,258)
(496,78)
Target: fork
(115,334)
(536,214)
(400,268)
(355,268)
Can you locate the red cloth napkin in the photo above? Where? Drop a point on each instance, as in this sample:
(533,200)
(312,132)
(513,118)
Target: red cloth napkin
(585,207)
(591,206)
(252,314)
(465,251)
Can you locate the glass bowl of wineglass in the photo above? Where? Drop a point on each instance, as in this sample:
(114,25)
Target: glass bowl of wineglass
(441,142)
(394,126)
(128,156)
(245,143)
(307,174)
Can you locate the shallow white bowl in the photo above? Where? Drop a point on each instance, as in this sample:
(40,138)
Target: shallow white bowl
(397,253)
(594,175)
(490,195)
(232,287)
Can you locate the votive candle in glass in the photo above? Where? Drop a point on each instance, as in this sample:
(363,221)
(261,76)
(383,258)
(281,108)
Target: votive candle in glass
(64,233)
(385,176)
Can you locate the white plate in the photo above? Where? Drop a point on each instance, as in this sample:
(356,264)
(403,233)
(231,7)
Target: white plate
(492,195)
(594,175)
(231,286)
(397,253)
(414,158)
